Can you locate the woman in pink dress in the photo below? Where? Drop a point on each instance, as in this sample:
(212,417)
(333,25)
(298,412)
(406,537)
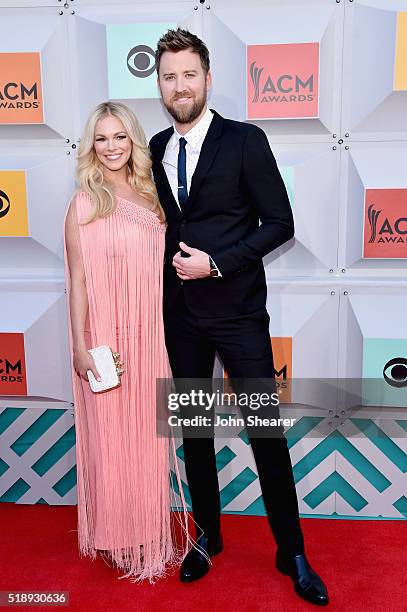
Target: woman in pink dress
(114,249)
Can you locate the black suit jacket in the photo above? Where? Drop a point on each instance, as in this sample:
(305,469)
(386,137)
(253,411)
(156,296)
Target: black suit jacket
(235,185)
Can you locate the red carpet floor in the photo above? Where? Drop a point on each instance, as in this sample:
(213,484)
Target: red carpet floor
(362,562)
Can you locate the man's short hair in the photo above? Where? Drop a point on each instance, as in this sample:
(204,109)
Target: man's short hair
(179,40)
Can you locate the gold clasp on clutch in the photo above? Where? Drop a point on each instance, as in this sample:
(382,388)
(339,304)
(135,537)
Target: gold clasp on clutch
(118,363)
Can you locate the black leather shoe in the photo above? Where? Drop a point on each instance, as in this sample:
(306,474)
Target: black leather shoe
(307,584)
(195,565)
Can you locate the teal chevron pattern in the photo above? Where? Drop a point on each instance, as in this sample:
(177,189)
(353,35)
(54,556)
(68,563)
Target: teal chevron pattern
(37,456)
(358,469)
(355,470)
(335,483)
(337,442)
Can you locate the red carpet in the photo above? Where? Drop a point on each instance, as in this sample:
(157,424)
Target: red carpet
(362,562)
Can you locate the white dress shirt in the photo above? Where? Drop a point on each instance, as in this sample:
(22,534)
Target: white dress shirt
(194,138)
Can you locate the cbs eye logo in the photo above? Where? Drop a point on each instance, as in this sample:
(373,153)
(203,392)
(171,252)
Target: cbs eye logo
(141,61)
(395,372)
(4,204)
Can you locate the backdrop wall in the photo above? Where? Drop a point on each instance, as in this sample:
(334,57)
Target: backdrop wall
(327,81)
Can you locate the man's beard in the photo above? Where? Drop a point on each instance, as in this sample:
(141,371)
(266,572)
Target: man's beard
(187,115)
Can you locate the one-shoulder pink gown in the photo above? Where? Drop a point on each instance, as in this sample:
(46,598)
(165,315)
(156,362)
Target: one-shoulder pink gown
(124,498)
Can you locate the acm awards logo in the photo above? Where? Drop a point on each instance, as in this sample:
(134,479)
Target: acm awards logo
(19,95)
(12,364)
(283,370)
(4,204)
(386,223)
(282,357)
(285,88)
(395,372)
(11,371)
(282,80)
(20,88)
(385,231)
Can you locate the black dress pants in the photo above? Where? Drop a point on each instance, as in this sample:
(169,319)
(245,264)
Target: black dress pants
(243,344)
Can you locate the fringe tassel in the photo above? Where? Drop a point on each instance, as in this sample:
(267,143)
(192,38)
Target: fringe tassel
(124,499)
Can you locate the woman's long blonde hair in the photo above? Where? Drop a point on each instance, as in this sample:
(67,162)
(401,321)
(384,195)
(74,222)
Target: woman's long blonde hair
(89,171)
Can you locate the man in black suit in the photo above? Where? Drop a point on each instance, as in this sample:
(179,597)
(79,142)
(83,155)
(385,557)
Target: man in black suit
(216,179)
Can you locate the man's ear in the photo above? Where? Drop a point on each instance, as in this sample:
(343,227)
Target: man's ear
(209,79)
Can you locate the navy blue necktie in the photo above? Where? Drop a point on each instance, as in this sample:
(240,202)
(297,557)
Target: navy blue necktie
(182,173)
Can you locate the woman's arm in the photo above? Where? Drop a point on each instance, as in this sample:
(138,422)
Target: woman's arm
(78,298)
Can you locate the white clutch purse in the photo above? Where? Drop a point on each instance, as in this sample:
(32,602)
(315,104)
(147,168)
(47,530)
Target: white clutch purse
(108,365)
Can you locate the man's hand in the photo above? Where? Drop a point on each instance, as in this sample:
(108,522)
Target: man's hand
(195,266)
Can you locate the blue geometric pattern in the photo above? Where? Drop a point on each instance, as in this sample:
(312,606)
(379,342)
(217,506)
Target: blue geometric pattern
(335,483)
(37,455)
(358,469)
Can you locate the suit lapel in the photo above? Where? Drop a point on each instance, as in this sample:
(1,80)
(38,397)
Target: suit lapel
(208,153)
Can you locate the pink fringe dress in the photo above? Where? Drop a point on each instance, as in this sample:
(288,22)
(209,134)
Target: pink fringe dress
(124,498)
